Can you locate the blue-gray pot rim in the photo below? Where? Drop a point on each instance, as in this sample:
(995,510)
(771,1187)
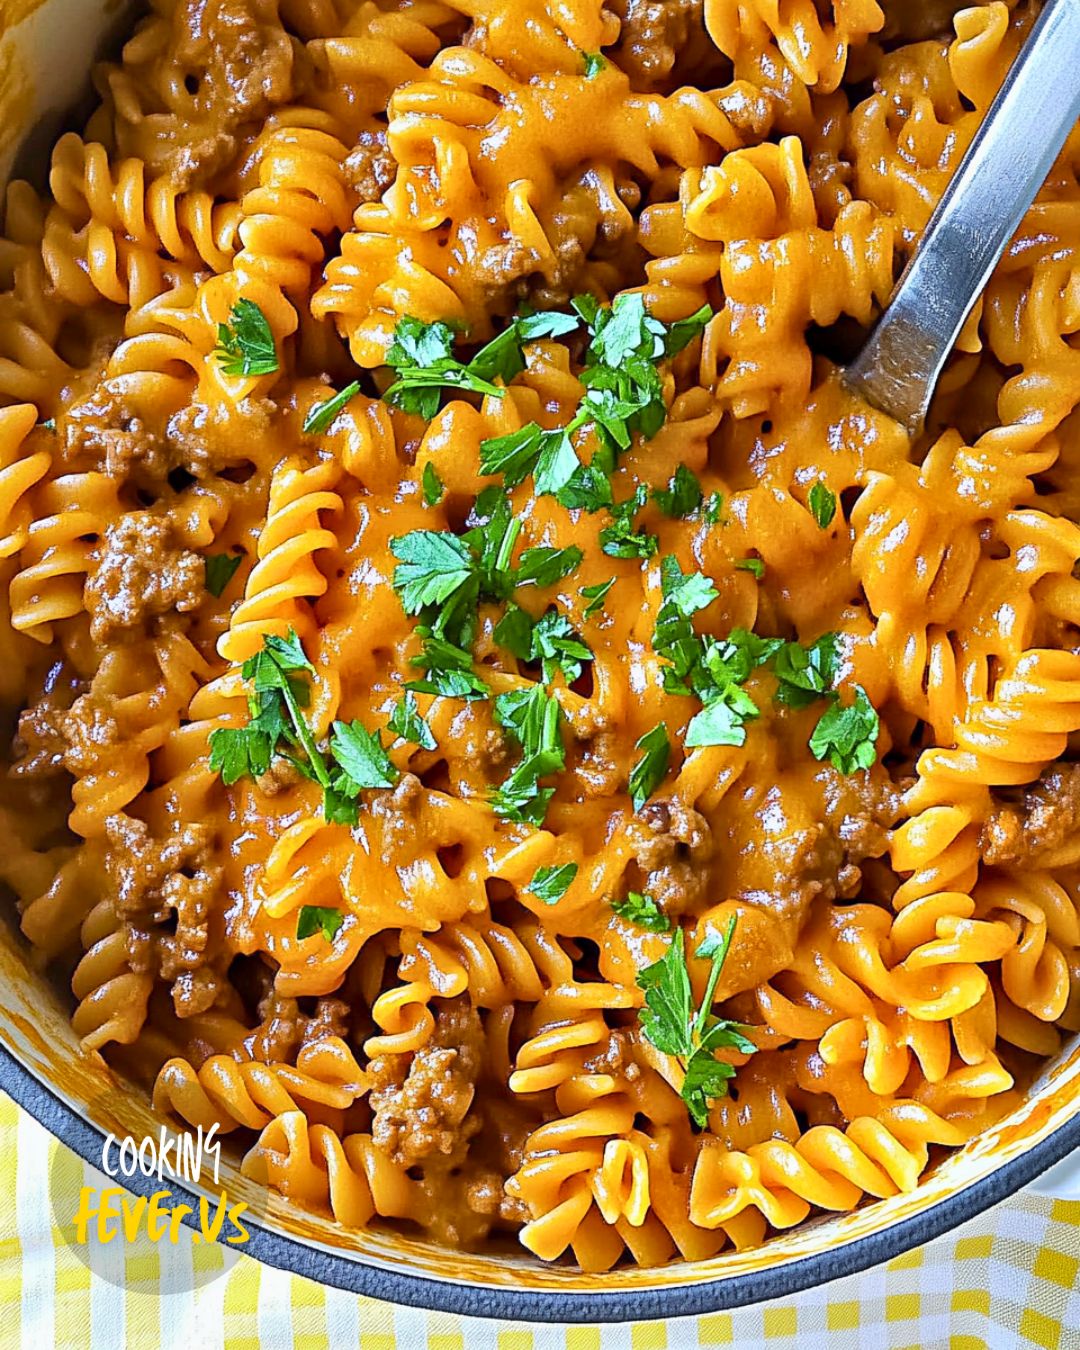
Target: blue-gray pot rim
(353,1274)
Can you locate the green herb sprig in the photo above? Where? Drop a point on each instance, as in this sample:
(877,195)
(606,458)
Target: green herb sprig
(624,397)
(220,568)
(356,760)
(675,1028)
(532,717)
(314,919)
(643,911)
(422,357)
(550,884)
(245,345)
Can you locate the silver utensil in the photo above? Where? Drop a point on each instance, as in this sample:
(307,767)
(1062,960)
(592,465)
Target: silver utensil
(996,182)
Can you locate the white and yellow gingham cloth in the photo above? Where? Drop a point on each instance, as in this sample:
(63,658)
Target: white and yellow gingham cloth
(1009,1278)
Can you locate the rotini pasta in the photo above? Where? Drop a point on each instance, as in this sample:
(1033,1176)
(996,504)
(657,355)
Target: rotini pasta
(502,732)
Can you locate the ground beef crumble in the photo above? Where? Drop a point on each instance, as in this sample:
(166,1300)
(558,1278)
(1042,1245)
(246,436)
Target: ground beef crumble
(104,431)
(421,1101)
(821,859)
(241,65)
(396,809)
(163,891)
(672,845)
(370,166)
(1021,834)
(654,34)
(40,744)
(143,572)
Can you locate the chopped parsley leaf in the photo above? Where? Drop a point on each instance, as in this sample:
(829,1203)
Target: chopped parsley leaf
(681,497)
(549,884)
(433,567)
(320,416)
(558,647)
(432,485)
(648,773)
(669,1021)
(422,357)
(822,504)
(806,674)
(406,722)
(220,569)
(846,734)
(533,718)
(245,345)
(621,539)
(314,919)
(546,566)
(643,911)
(595,596)
(362,760)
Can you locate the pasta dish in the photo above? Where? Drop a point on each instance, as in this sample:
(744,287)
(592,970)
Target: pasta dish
(496,728)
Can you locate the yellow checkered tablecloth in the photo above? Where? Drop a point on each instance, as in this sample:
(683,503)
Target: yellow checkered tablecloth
(1008,1278)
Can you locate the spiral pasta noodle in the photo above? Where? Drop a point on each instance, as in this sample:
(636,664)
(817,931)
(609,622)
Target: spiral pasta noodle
(499,729)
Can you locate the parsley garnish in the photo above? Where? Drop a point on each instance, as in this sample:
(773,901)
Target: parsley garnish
(594,64)
(681,497)
(558,647)
(847,734)
(321,415)
(551,640)
(595,596)
(722,720)
(314,919)
(643,911)
(422,357)
(363,761)
(752,565)
(549,884)
(236,752)
(245,344)
(806,673)
(621,539)
(432,485)
(514,631)
(442,576)
(624,396)
(669,1021)
(548,455)
(533,718)
(623,389)
(546,566)
(683,595)
(276,674)
(822,505)
(220,568)
(711,668)
(406,722)
(432,568)
(648,773)
(589,489)
(713,508)
(449,671)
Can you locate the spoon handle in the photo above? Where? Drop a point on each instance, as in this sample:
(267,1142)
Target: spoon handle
(996,182)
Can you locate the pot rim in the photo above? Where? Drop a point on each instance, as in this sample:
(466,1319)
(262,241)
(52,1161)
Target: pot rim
(355,1275)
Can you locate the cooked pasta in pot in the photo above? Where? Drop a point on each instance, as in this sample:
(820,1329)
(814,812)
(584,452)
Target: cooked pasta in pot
(495,725)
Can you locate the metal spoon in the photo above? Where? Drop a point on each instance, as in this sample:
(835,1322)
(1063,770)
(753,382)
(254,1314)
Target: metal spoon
(997,180)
